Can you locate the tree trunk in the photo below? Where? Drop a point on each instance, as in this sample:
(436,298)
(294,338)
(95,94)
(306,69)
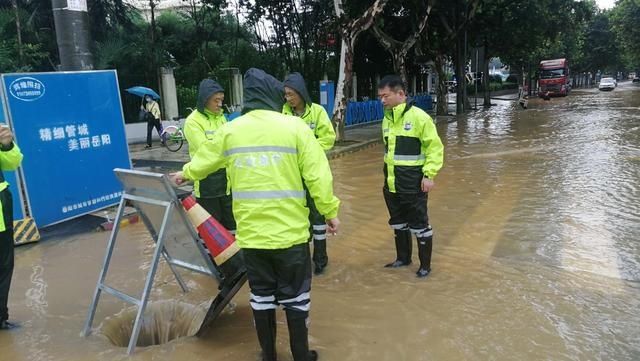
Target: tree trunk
(486,81)
(442,106)
(460,79)
(343,88)
(465,95)
(350,32)
(530,89)
(467,102)
(14,3)
(399,50)
(400,67)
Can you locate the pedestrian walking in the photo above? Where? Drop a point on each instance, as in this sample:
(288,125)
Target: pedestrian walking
(151,113)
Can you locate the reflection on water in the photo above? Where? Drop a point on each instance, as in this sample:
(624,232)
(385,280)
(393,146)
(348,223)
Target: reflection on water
(536,256)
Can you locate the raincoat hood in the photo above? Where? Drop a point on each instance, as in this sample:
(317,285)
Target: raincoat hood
(296,82)
(262,91)
(206,90)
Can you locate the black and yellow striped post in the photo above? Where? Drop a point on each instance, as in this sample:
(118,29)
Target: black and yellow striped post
(25,231)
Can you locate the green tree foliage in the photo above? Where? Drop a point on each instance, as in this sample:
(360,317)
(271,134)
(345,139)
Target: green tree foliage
(37,40)
(625,18)
(302,36)
(521,32)
(600,47)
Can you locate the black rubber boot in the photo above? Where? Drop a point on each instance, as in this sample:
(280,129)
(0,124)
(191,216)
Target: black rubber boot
(6,325)
(299,336)
(320,258)
(318,270)
(403,249)
(266,329)
(425,245)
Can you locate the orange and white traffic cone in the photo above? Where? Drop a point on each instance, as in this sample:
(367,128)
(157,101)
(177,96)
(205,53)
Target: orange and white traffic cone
(224,252)
(221,244)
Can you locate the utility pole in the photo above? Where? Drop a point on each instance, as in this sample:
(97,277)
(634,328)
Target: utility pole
(71,20)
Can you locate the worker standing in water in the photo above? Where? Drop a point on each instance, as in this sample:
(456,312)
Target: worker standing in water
(269,158)
(200,127)
(413,157)
(315,116)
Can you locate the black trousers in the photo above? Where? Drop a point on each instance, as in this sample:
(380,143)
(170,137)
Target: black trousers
(221,208)
(407,211)
(318,234)
(155,123)
(279,277)
(6,253)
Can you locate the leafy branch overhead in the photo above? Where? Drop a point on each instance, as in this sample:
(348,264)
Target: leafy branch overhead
(204,38)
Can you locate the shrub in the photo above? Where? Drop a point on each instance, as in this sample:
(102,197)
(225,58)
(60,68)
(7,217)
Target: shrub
(187,98)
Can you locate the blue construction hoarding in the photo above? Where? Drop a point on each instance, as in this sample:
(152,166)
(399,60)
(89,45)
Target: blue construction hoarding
(70,128)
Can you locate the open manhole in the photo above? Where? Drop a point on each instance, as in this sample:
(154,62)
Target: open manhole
(162,322)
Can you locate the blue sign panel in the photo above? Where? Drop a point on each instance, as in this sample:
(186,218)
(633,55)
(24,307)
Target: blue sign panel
(10,176)
(327,95)
(71,131)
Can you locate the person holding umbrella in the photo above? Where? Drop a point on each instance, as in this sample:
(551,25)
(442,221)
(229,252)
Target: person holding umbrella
(149,111)
(152,116)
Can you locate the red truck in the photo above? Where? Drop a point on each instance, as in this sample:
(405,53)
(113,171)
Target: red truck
(553,79)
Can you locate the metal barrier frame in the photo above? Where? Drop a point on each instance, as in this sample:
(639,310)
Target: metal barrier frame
(170,206)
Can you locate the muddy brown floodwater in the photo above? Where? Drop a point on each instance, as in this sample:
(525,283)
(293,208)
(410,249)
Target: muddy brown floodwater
(536,257)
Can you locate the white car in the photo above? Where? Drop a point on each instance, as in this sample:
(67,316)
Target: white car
(607,84)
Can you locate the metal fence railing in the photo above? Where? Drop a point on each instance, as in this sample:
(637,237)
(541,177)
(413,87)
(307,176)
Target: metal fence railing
(371,110)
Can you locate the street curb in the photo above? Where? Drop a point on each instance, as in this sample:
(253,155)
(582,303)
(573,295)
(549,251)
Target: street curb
(362,125)
(354,148)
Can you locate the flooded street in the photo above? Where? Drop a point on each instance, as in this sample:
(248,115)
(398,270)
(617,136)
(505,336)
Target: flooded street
(536,217)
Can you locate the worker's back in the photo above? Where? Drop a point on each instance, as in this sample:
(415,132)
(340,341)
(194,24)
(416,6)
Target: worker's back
(264,150)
